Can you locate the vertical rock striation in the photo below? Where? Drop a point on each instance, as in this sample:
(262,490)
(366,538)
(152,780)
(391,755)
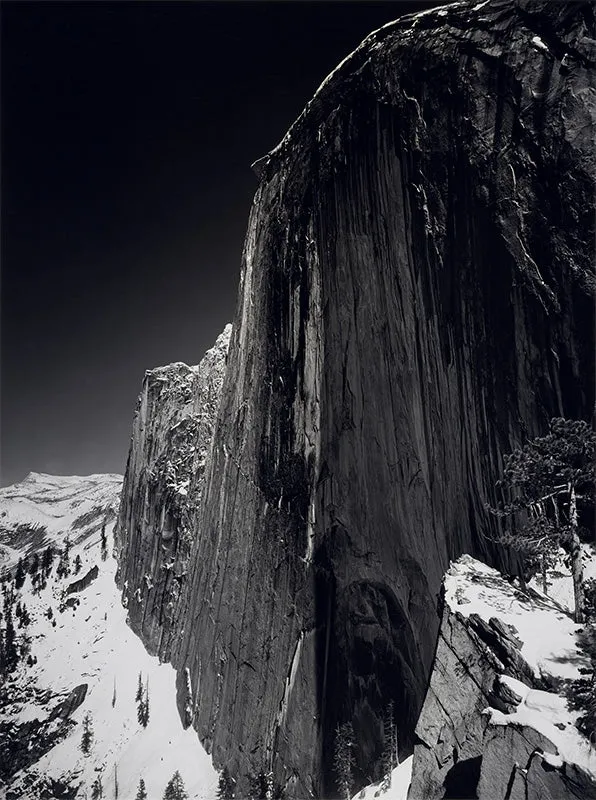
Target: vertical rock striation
(171,441)
(416,298)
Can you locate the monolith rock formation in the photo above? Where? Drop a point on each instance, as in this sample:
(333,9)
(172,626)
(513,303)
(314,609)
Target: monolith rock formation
(416,300)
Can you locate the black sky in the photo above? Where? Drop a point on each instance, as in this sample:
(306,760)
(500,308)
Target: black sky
(128,130)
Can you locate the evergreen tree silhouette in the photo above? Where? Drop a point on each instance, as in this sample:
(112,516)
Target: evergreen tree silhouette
(226,787)
(87,737)
(97,789)
(141,791)
(175,789)
(343,759)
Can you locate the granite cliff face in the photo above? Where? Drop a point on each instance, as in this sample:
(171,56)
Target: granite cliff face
(170,446)
(416,298)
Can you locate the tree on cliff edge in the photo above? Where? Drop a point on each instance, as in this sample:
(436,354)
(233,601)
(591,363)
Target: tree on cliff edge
(542,484)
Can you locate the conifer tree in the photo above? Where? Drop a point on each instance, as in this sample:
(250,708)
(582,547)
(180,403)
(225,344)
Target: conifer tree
(139,694)
(175,789)
(143,704)
(77,564)
(10,650)
(104,542)
(141,791)
(343,759)
(389,755)
(19,576)
(47,560)
(34,565)
(87,737)
(542,484)
(226,787)
(114,694)
(97,789)
(260,786)
(24,617)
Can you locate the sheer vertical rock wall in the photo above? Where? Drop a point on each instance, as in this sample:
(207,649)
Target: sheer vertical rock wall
(416,298)
(170,447)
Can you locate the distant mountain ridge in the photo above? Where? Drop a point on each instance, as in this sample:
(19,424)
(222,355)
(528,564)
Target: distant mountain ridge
(45,509)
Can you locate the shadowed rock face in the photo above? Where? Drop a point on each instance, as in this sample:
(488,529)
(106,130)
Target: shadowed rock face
(172,436)
(416,299)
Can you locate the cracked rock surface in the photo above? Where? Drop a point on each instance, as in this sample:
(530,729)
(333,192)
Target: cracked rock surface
(170,446)
(416,299)
(493,726)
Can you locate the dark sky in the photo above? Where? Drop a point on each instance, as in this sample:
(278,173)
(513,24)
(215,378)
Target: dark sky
(128,131)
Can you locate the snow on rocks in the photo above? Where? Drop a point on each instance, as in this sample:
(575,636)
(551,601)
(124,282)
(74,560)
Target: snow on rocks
(492,716)
(547,632)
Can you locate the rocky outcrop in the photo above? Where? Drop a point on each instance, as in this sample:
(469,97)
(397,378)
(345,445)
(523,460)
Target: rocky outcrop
(171,441)
(82,583)
(492,726)
(69,705)
(416,298)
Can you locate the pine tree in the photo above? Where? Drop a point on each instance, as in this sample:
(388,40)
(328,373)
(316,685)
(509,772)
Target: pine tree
(104,543)
(389,755)
(541,485)
(87,737)
(343,759)
(25,617)
(139,694)
(260,786)
(141,791)
(114,694)
(226,787)
(47,560)
(142,698)
(97,789)
(11,653)
(34,566)
(175,789)
(19,576)
(77,564)
(145,720)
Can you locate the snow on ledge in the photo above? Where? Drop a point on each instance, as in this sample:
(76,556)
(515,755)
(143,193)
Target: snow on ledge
(547,633)
(548,714)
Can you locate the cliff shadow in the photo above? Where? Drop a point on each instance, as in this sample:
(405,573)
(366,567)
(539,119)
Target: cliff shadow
(368,669)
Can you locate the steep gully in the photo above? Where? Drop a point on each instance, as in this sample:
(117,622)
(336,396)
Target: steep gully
(416,298)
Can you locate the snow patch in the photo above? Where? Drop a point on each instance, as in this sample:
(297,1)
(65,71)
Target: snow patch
(93,644)
(400,783)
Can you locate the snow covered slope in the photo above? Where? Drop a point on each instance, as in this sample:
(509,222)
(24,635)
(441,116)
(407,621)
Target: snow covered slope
(44,509)
(496,723)
(84,661)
